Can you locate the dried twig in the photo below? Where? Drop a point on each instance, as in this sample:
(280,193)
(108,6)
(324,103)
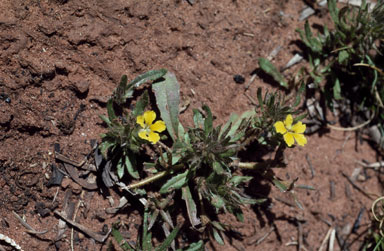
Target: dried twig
(324,242)
(375,165)
(332,240)
(97,237)
(310,166)
(262,238)
(30,229)
(370,196)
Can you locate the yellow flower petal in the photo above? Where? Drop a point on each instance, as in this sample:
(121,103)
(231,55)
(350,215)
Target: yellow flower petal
(149,117)
(299,127)
(158,126)
(153,137)
(140,121)
(143,134)
(288,138)
(300,139)
(280,128)
(288,121)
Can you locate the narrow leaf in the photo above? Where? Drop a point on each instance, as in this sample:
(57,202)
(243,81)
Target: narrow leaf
(208,121)
(337,89)
(197,246)
(217,237)
(168,241)
(120,169)
(111,111)
(167,94)
(130,165)
(146,77)
(120,239)
(269,68)
(141,104)
(175,182)
(191,206)
(198,119)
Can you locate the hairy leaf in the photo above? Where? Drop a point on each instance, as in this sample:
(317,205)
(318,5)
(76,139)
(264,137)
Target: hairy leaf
(269,68)
(167,94)
(175,182)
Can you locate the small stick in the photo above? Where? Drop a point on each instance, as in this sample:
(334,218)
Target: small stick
(54,197)
(30,229)
(74,216)
(285,202)
(375,165)
(348,129)
(370,196)
(324,242)
(356,224)
(253,77)
(262,238)
(300,237)
(97,237)
(253,102)
(332,240)
(347,190)
(310,166)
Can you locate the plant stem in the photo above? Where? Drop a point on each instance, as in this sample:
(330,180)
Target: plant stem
(252,165)
(154,177)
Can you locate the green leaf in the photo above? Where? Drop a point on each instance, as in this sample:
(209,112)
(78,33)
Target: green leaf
(217,201)
(333,11)
(120,239)
(343,56)
(269,68)
(217,167)
(315,44)
(146,77)
(226,128)
(198,119)
(246,115)
(196,246)
(147,236)
(279,185)
(120,90)
(236,180)
(167,94)
(175,182)
(111,111)
(129,159)
(141,104)
(191,206)
(260,99)
(168,242)
(337,89)
(208,121)
(218,225)
(120,169)
(105,119)
(217,237)
(299,93)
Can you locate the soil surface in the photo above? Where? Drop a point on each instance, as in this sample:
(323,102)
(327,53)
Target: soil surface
(62,59)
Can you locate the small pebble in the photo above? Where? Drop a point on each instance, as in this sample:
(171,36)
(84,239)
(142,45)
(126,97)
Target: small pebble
(239,79)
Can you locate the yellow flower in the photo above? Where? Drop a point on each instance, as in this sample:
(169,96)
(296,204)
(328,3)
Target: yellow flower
(148,131)
(291,132)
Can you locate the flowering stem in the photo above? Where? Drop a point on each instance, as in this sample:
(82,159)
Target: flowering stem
(153,178)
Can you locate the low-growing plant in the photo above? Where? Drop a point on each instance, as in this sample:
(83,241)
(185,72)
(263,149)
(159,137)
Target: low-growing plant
(374,239)
(196,167)
(345,65)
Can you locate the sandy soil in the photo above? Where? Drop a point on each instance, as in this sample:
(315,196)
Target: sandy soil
(61,59)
